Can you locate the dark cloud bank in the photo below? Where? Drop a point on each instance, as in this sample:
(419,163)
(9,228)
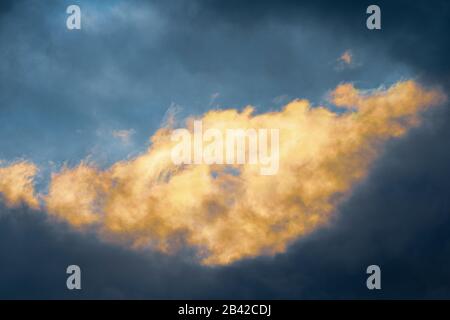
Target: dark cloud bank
(399,218)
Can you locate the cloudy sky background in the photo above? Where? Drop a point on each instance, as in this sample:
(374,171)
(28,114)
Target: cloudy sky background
(69,95)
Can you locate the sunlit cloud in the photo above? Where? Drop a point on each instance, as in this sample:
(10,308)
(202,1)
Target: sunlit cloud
(228,215)
(16,184)
(346,57)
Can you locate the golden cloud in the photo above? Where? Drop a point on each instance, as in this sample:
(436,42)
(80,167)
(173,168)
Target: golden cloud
(346,57)
(149,201)
(16,184)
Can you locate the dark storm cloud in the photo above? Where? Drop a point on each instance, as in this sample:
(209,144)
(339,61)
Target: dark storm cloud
(414,32)
(35,252)
(249,52)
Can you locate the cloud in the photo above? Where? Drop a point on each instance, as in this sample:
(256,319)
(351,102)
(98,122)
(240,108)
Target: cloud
(346,57)
(120,77)
(73,194)
(149,201)
(16,184)
(345,61)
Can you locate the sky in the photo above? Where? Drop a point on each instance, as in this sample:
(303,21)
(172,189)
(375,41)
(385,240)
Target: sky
(70,99)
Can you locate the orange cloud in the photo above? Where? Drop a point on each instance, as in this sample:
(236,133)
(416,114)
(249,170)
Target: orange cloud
(74,193)
(150,202)
(16,184)
(346,57)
